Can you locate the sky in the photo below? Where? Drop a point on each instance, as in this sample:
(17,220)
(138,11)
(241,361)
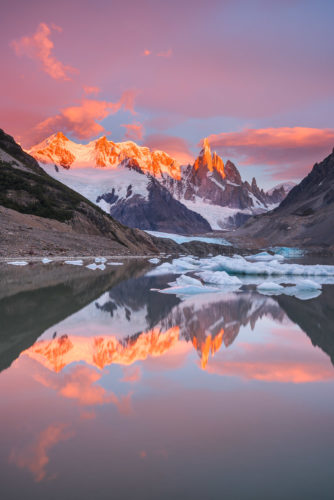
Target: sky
(254,76)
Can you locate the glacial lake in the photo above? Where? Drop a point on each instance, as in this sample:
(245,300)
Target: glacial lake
(111,390)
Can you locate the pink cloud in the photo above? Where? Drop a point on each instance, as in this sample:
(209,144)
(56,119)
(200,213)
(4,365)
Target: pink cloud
(91,90)
(290,151)
(34,456)
(174,146)
(131,374)
(134,131)
(167,53)
(81,120)
(273,363)
(39,46)
(80,385)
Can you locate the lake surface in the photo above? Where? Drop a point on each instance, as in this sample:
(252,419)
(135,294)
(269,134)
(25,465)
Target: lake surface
(111,390)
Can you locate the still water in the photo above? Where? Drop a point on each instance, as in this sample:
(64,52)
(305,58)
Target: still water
(110,390)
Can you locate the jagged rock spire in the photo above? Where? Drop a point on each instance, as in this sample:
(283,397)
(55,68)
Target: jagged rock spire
(209,161)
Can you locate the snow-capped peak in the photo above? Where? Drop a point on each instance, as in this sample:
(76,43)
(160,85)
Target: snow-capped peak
(208,161)
(287,186)
(60,150)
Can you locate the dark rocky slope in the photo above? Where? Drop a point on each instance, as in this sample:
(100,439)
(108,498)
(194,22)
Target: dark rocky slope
(160,212)
(304,218)
(26,190)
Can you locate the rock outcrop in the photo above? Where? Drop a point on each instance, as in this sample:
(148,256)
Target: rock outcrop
(304,218)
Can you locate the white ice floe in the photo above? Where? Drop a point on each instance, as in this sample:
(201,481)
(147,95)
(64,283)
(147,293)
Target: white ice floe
(18,263)
(264,257)
(114,263)
(270,286)
(185,285)
(302,289)
(74,262)
(219,278)
(241,266)
(100,259)
(46,260)
(308,285)
(154,260)
(95,266)
(178,266)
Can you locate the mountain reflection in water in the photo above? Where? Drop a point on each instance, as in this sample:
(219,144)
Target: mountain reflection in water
(75,349)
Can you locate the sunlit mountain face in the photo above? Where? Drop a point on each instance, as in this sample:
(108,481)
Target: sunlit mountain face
(133,183)
(101,361)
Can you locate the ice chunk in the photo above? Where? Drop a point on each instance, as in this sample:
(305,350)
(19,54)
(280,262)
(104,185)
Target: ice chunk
(18,263)
(154,260)
(46,260)
(219,278)
(74,262)
(95,266)
(186,285)
(100,259)
(270,285)
(241,266)
(270,288)
(114,263)
(186,280)
(308,285)
(264,256)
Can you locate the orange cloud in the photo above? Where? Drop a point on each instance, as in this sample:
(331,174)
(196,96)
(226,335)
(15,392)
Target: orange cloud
(292,149)
(39,47)
(80,385)
(134,131)
(82,120)
(34,457)
(91,90)
(147,52)
(272,364)
(174,146)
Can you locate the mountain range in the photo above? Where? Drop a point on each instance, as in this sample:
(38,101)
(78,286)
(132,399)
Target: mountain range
(37,211)
(150,190)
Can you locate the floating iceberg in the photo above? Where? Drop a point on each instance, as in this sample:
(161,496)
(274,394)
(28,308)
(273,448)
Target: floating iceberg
(100,259)
(264,257)
(18,263)
(95,266)
(74,262)
(154,260)
(241,266)
(46,260)
(270,286)
(178,266)
(185,285)
(308,285)
(303,289)
(219,278)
